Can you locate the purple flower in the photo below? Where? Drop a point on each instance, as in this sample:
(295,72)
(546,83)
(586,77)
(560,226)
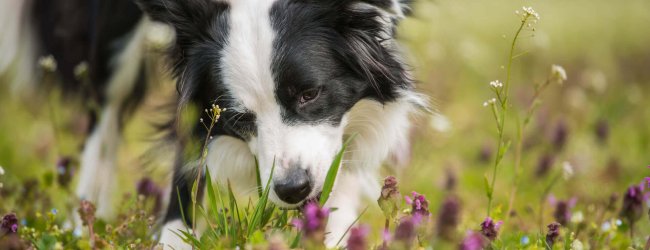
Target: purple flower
(64,171)
(147,188)
(9,224)
(419,205)
(562,213)
(647,182)
(313,222)
(389,198)
(485,154)
(357,240)
(490,229)
(602,131)
(553,233)
(405,231)
(86,211)
(473,241)
(560,135)
(632,209)
(448,217)
(544,165)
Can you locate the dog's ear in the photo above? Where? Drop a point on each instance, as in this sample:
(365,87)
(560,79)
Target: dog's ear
(369,27)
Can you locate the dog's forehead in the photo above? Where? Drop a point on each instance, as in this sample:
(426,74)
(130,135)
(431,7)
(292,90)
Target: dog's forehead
(246,58)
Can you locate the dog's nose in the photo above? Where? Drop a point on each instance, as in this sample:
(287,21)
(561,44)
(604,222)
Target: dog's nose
(295,187)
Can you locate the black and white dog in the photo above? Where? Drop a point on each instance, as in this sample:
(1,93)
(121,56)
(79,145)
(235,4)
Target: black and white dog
(295,78)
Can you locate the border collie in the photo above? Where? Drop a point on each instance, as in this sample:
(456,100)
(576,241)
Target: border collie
(295,78)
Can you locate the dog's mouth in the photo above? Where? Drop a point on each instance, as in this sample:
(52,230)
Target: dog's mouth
(301,206)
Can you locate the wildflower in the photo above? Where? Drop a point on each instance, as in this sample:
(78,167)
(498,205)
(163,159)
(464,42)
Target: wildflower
(489,229)
(389,197)
(148,189)
(2,171)
(562,213)
(441,123)
(64,171)
(602,131)
(558,74)
(473,241)
(577,217)
(357,240)
(632,204)
(544,164)
(450,180)
(81,70)
(647,182)
(560,135)
(529,11)
(553,234)
(86,211)
(313,223)
(448,217)
(9,224)
(496,84)
(489,102)
(419,205)
(525,240)
(405,231)
(577,245)
(567,170)
(47,63)
(485,154)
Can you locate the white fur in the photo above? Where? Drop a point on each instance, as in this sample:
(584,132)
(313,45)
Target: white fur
(169,238)
(230,159)
(99,157)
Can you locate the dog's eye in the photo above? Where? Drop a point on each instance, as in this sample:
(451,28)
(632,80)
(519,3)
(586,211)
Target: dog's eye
(309,95)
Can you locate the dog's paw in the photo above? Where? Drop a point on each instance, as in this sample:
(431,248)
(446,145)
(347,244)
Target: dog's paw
(169,236)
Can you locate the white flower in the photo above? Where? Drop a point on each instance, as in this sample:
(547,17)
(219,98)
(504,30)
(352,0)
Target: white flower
(577,217)
(606,226)
(558,73)
(440,123)
(489,102)
(529,11)
(2,171)
(577,245)
(496,84)
(567,170)
(47,63)
(81,70)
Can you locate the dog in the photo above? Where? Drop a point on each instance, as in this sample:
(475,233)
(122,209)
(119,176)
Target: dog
(294,79)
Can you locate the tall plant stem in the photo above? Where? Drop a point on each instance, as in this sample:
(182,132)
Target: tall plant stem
(503,101)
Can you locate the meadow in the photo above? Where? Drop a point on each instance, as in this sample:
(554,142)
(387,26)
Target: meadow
(565,140)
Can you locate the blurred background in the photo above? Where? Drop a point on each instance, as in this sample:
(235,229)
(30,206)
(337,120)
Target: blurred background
(598,121)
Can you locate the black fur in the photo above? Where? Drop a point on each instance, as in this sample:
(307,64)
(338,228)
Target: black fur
(76,31)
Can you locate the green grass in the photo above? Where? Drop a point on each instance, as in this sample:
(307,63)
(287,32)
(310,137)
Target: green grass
(456,49)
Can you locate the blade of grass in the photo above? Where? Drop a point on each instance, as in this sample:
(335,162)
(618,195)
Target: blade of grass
(332,172)
(259,179)
(261,205)
(351,225)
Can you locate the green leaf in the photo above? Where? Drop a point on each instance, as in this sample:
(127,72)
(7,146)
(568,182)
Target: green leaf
(261,205)
(332,172)
(259,179)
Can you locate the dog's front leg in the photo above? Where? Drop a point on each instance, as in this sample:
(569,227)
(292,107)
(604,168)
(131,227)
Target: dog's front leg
(345,198)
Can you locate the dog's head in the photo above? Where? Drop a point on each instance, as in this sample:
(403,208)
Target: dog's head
(287,72)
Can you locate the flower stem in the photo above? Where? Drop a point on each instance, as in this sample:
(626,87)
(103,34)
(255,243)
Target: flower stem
(503,101)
